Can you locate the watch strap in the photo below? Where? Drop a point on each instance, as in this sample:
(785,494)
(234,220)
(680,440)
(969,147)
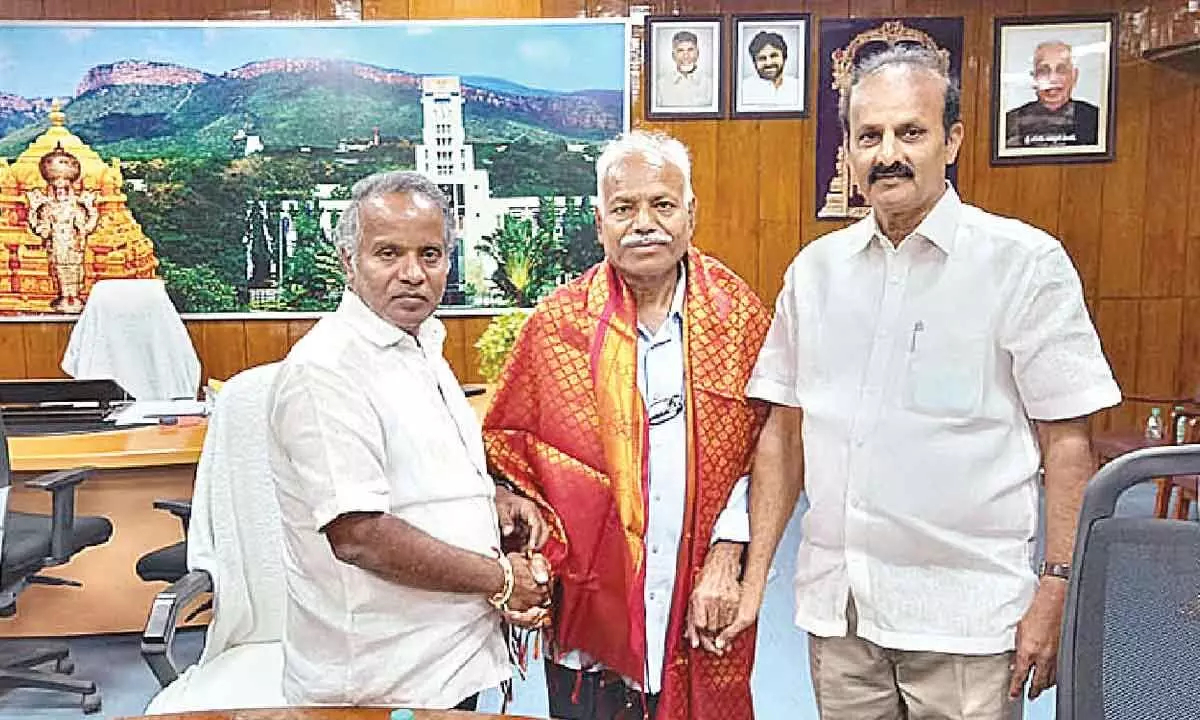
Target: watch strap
(1058,570)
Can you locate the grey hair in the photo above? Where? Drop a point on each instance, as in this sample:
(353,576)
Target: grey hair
(347,235)
(1056,44)
(913,57)
(651,145)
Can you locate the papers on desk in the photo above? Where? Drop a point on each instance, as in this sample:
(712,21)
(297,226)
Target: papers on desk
(151,411)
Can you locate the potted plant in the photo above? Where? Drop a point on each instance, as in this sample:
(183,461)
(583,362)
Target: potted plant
(496,342)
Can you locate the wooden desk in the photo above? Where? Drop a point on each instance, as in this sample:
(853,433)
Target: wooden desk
(329,714)
(1111,445)
(135,447)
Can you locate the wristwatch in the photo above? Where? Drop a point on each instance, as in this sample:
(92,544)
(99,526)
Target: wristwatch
(1058,570)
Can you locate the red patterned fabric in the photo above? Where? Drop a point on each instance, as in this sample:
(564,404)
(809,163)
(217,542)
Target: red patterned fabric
(567,426)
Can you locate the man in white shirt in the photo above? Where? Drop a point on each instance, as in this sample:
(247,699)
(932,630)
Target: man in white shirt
(622,413)
(685,84)
(773,87)
(395,587)
(936,356)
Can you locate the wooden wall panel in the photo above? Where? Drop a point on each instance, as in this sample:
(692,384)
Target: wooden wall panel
(44,346)
(1131,226)
(12,351)
(21,9)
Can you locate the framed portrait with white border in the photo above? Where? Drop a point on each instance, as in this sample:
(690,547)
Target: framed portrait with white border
(770,67)
(683,76)
(1054,89)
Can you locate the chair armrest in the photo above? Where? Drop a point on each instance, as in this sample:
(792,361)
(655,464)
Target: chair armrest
(60,479)
(61,484)
(181,509)
(160,628)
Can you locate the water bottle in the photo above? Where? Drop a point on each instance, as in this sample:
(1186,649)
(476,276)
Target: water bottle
(1154,425)
(1180,424)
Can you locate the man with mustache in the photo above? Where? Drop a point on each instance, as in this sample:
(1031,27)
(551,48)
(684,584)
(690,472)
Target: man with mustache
(774,86)
(395,589)
(936,357)
(685,83)
(621,413)
(1055,119)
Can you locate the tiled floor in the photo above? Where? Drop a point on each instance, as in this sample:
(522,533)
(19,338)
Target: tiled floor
(782,690)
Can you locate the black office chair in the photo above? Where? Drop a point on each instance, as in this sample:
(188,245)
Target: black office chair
(28,544)
(168,564)
(1131,631)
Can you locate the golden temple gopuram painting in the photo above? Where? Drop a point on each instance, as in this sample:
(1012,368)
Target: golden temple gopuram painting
(64,225)
(219,156)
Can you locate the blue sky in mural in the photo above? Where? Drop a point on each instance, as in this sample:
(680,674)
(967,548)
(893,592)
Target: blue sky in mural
(556,57)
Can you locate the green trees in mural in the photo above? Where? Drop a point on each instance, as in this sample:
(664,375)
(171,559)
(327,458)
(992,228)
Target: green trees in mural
(581,244)
(312,276)
(192,208)
(527,256)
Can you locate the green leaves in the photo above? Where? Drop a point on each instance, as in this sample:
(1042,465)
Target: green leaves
(496,342)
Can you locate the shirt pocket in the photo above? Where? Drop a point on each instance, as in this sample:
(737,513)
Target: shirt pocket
(945,374)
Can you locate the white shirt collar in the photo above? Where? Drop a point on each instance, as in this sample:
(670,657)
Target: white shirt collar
(939,226)
(380,331)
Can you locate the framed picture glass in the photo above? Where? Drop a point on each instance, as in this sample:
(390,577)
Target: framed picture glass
(1054,89)
(683,67)
(770,67)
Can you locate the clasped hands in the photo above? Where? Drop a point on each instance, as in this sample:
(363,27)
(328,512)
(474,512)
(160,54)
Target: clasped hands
(523,532)
(721,606)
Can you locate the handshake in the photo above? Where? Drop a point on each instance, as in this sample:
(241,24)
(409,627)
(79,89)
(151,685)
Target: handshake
(525,600)
(528,579)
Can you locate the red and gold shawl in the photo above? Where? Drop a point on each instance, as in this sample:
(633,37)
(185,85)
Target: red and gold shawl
(569,428)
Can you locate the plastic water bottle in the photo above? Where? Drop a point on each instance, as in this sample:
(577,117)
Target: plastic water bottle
(1181,421)
(1154,425)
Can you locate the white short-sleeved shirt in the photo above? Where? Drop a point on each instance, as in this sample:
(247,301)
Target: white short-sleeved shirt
(367,418)
(919,370)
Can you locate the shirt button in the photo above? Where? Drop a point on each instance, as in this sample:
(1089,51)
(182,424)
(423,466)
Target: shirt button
(859,441)
(653,595)
(894,280)
(654,549)
(658,498)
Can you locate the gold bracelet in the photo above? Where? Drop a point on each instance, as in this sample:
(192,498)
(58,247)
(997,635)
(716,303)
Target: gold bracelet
(500,599)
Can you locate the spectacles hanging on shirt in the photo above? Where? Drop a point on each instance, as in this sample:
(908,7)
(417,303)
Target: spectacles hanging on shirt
(664,409)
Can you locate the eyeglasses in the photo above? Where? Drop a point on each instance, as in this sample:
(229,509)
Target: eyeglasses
(665,409)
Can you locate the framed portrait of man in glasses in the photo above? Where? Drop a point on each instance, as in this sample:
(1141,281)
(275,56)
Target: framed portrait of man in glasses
(1054,89)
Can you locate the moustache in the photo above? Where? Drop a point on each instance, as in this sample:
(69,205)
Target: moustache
(650,239)
(895,170)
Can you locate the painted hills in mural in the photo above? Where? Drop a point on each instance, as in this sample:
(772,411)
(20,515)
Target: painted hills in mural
(135,108)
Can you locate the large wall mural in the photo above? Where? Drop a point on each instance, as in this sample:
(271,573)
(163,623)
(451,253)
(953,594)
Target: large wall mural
(219,156)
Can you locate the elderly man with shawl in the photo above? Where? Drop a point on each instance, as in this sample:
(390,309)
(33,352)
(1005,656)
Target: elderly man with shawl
(621,413)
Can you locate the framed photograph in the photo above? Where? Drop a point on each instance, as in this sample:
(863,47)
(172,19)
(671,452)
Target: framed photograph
(683,67)
(770,67)
(1054,89)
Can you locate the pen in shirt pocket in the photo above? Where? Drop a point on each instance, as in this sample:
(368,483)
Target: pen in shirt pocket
(918,327)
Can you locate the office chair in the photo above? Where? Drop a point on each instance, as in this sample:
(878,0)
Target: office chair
(1131,630)
(168,564)
(235,559)
(31,543)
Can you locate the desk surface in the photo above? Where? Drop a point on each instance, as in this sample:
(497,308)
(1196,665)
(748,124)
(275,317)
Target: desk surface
(329,714)
(145,446)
